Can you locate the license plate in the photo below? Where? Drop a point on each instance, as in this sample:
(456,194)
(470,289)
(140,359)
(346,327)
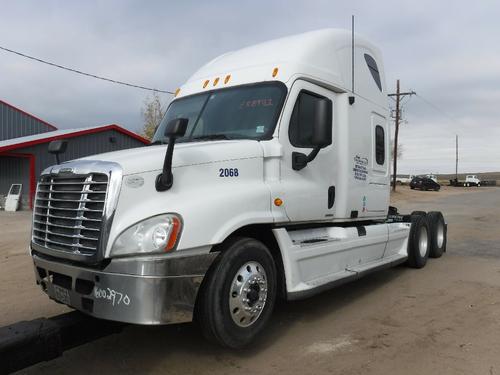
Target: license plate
(61,294)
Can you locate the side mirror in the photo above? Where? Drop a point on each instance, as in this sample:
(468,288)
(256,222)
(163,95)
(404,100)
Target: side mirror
(175,128)
(322,127)
(58,147)
(321,137)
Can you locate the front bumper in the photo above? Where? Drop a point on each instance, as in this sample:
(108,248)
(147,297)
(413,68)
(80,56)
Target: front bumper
(159,290)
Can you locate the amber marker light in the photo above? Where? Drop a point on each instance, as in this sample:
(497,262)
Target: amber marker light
(216,81)
(176,226)
(278,202)
(226,80)
(177,92)
(275,72)
(205,84)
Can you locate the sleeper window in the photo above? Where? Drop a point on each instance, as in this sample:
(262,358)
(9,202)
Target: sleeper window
(372,66)
(300,130)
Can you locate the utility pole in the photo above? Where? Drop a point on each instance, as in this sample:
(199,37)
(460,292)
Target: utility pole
(456,159)
(399,95)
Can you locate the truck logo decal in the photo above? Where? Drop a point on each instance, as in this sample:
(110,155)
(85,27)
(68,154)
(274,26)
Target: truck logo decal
(360,168)
(134,181)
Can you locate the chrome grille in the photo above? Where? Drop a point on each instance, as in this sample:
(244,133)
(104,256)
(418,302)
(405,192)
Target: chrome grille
(69,212)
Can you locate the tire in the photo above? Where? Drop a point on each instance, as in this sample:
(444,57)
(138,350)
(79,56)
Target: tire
(412,187)
(418,242)
(478,185)
(230,289)
(438,232)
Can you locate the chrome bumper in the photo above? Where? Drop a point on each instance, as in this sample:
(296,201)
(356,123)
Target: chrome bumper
(134,290)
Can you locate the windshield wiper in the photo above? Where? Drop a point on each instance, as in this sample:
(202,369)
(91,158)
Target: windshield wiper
(215,136)
(209,137)
(157,142)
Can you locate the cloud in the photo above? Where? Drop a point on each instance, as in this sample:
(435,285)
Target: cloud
(445,51)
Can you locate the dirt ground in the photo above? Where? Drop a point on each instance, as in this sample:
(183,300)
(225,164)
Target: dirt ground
(443,319)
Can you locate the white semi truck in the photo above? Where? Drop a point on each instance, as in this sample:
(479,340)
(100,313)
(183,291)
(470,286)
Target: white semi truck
(268,178)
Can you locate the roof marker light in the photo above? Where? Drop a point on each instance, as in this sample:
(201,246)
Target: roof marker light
(177,92)
(278,202)
(275,72)
(226,80)
(205,84)
(216,81)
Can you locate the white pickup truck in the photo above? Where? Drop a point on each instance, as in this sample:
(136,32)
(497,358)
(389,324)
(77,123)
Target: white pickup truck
(268,178)
(472,180)
(404,180)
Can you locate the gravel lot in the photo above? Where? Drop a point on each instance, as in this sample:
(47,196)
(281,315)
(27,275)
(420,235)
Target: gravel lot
(443,319)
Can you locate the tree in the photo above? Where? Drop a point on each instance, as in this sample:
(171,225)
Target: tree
(152,114)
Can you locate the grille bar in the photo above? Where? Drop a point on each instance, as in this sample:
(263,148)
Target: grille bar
(70,192)
(66,217)
(69,210)
(71,200)
(65,226)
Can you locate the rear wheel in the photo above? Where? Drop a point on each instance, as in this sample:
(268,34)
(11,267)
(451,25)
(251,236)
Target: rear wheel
(238,294)
(438,234)
(418,242)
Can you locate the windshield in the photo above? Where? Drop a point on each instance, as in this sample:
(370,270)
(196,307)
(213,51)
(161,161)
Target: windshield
(243,112)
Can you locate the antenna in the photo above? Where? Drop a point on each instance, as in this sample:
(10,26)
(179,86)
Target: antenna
(352,52)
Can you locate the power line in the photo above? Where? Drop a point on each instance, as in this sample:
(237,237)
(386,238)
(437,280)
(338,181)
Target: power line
(83,73)
(437,108)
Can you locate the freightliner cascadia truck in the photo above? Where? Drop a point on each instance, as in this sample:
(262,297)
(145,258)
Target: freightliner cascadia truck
(267,179)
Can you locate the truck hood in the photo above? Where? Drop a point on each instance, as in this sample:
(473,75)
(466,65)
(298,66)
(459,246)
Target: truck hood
(150,158)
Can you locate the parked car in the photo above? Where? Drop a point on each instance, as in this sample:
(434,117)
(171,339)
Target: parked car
(424,183)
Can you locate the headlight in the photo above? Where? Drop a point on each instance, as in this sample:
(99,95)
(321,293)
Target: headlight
(157,234)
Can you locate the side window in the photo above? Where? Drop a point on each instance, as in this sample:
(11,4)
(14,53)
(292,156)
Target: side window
(300,130)
(372,66)
(379,145)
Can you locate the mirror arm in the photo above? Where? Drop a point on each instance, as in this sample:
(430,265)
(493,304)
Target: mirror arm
(300,160)
(165,180)
(312,155)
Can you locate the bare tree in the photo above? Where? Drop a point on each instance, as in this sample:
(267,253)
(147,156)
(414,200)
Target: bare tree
(152,114)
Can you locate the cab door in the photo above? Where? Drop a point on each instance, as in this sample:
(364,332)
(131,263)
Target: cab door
(309,192)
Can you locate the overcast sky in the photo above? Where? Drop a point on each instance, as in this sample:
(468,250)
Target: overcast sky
(447,51)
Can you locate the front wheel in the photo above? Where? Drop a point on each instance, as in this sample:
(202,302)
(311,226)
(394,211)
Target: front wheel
(238,294)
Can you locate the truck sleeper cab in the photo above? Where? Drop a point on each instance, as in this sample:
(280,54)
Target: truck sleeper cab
(267,178)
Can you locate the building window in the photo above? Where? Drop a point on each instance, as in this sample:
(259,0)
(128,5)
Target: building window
(379,145)
(372,66)
(300,130)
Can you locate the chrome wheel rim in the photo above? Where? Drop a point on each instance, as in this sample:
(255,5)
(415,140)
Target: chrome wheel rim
(423,242)
(248,294)
(440,234)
